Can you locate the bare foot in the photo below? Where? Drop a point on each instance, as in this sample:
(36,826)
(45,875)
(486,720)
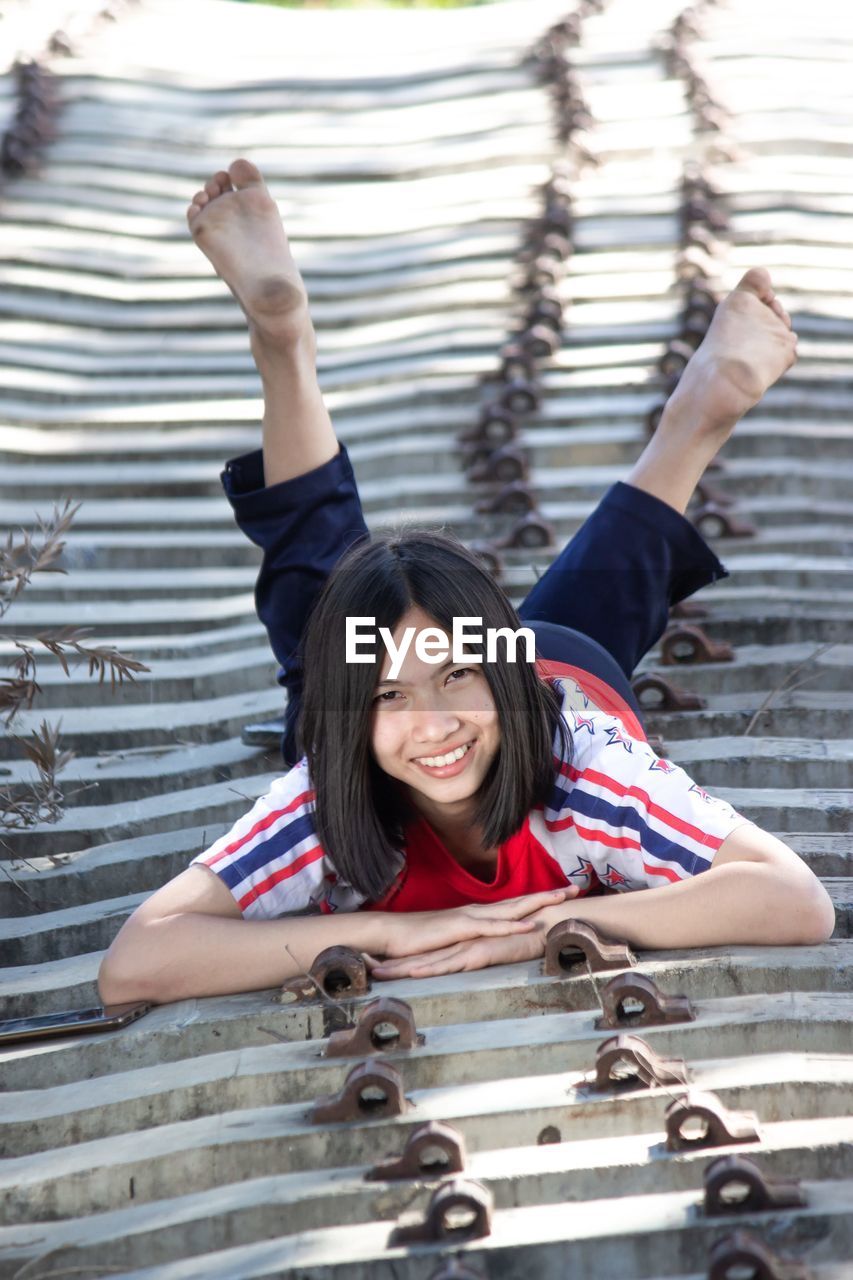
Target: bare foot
(749,345)
(236,224)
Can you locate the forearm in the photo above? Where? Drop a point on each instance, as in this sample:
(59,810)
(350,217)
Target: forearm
(738,903)
(195,954)
(298,435)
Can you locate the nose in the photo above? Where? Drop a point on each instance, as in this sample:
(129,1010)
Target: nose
(433,723)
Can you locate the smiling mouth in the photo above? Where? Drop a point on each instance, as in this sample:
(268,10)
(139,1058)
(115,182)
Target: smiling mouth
(447,759)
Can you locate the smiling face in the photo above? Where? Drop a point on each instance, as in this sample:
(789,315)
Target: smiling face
(435,727)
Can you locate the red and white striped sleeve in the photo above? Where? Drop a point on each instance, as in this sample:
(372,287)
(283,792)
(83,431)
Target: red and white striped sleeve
(621,815)
(271,859)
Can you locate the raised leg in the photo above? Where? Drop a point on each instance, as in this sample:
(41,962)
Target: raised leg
(636,555)
(749,345)
(297,500)
(236,224)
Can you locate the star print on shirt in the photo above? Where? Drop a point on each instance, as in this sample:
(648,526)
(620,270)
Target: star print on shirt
(663,766)
(613,878)
(584,869)
(703,795)
(582,722)
(580,691)
(616,737)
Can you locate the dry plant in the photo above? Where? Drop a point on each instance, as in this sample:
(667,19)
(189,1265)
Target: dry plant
(23,555)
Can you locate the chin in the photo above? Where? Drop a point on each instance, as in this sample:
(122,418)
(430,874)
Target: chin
(450,791)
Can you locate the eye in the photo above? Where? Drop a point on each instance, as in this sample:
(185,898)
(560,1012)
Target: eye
(387,696)
(462,671)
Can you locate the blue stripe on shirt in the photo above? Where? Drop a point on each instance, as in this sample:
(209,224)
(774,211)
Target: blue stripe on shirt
(625,816)
(274,848)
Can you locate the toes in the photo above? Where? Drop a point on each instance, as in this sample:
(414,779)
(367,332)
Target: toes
(218,184)
(757,280)
(198,202)
(244,174)
(779,310)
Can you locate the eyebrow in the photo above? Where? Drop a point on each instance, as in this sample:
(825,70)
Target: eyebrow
(443,667)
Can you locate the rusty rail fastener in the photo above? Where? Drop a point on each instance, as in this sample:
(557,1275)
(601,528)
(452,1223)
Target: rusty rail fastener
(693,327)
(654,693)
(372,1090)
(653,418)
(504,464)
(743,1253)
(546,308)
(516,362)
(698,236)
(367,1036)
(338,971)
(719,1127)
(488,555)
(688,644)
(716,521)
(529,530)
(542,272)
(521,394)
(540,340)
(735,1184)
(433,1150)
(495,426)
(707,492)
(459,1210)
(655,1007)
(625,1057)
(514,498)
(571,944)
(675,358)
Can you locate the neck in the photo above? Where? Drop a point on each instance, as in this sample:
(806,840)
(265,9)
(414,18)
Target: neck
(455,827)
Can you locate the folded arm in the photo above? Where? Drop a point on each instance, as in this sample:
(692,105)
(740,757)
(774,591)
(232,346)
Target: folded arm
(757,892)
(190,939)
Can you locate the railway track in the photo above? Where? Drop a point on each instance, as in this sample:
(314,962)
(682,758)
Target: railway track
(408,152)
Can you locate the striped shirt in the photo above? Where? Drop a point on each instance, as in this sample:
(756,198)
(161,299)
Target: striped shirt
(617,816)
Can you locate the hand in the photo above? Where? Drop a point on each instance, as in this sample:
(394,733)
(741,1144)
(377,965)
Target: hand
(415,933)
(479,953)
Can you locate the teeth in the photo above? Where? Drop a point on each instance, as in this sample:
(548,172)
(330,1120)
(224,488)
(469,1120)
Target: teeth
(438,762)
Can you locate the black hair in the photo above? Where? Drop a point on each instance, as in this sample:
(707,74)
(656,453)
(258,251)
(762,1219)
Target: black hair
(360,811)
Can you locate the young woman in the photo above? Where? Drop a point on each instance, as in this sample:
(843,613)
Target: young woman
(446,814)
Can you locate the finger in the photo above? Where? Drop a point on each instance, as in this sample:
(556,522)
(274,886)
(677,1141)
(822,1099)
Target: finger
(401,965)
(530,902)
(420,967)
(502,928)
(408,968)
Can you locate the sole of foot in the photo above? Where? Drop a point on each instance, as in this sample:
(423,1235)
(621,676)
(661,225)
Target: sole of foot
(749,345)
(236,223)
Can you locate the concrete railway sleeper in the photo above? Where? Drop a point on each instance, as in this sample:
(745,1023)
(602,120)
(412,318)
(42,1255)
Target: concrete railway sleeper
(290,1077)
(595,1132)
(657,1233)
(748,985)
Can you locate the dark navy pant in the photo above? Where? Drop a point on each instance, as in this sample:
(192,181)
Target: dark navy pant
(604,601)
